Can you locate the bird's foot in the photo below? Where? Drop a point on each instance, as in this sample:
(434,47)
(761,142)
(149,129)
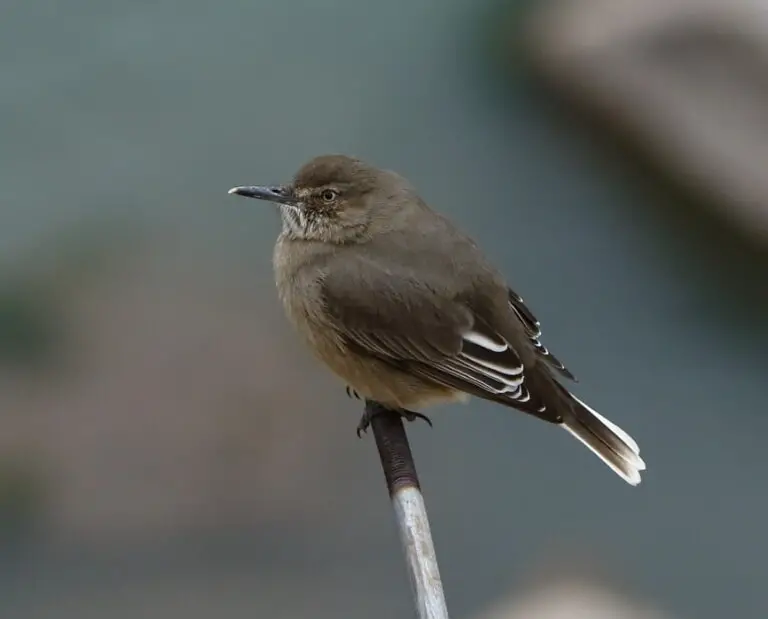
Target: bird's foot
(373,409)
(351,393)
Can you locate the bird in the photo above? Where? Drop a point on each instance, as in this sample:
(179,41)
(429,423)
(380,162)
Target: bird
(408,311)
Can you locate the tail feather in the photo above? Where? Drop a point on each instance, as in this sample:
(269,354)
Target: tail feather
(606,440)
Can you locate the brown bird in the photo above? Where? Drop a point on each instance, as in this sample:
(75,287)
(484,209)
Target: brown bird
(406,309)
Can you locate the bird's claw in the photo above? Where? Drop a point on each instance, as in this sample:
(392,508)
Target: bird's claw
(413,416)
(352,393)
(371,412)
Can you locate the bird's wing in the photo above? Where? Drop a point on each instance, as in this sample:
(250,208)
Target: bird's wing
(424,332)
(532,329)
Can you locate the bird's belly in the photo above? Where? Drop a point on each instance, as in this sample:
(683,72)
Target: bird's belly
(369,377)
(376,380)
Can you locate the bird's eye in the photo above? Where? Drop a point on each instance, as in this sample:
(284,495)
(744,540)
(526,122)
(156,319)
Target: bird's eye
(329,195)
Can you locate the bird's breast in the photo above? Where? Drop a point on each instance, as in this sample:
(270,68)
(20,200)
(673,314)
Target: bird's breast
(298,275)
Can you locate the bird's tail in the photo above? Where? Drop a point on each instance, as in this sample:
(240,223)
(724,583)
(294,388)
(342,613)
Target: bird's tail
(605,439)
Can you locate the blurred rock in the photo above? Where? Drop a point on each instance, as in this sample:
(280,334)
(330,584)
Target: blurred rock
(686,81)
(570,599)
(175,410)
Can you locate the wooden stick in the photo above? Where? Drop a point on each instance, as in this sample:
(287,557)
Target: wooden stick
(410,511)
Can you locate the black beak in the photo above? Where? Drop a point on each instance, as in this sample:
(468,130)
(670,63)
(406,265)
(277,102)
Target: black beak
(280,195)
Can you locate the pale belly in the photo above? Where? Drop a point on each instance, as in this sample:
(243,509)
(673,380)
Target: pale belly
(376,380)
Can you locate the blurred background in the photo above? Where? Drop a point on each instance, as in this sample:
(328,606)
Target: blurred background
(167,447)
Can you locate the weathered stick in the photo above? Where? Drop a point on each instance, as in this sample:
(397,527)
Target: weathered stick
(410,511)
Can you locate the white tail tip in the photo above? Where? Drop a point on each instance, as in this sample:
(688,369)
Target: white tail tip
(627,464)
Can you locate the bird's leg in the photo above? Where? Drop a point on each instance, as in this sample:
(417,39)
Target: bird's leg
(374,408)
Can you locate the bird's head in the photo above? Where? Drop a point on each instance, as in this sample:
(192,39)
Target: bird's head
(335,199)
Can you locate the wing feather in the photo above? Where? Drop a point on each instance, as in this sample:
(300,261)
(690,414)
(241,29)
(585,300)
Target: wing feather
(439,339)
(533,330)
(435,336)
